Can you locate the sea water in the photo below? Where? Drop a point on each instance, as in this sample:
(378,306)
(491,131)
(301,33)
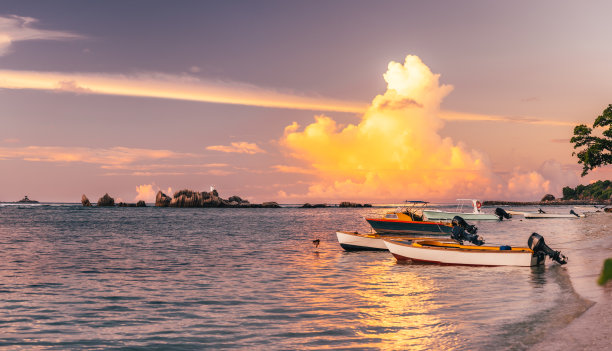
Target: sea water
(251,279)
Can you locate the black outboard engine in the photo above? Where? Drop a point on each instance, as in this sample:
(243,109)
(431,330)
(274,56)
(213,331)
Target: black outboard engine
(462,231)
(574,213)
(537,244)
(541,211)
(501,213)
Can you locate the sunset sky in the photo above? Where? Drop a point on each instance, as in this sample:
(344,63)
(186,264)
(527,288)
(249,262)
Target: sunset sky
(287,101)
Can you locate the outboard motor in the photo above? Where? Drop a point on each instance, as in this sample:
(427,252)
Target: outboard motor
(537,244)
(541,211)
(574,213)
(501,213)
(462,231)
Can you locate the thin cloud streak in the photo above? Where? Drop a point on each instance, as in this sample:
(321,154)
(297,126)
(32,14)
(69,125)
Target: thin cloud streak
(170,87)
(16,28)
(114,156)
(187,88)
(238,147)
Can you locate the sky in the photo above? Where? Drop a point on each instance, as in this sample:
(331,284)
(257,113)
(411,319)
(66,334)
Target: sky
(287,101)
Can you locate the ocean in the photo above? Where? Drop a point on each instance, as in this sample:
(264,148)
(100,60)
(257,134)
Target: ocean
(251,279)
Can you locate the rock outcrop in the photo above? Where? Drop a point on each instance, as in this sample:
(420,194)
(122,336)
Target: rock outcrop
(190,198)
(85,201)
(548,197)
(308,205)
(270,204)
(106,200)
(141,203)
(162,200)
(353,204)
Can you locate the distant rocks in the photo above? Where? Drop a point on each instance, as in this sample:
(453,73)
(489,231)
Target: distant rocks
(353,204)
(162,200)
(548,197)
(270,204)
(138,204)
(106,200)
(307,205)
(26,200)
(189,198)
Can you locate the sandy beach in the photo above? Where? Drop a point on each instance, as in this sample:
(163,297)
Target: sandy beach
(590,331)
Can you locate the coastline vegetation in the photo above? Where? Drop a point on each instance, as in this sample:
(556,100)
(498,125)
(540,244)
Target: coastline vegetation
(598,191)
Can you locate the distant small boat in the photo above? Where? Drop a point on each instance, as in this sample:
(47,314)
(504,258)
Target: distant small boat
(475,215)
(592,208)
(353,241)
(433,251)
(409,220)
(26,200)
(542,214)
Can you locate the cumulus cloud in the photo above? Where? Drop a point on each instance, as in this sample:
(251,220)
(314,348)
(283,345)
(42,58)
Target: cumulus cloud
(238,147)
(396,152)
(16,28)
(147,192)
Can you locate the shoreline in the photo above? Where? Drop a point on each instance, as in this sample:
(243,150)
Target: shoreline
(545,203)
(589,331)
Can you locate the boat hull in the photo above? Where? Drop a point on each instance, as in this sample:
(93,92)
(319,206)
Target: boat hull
(461,255)
(353,241)
(434,215)
(381,225)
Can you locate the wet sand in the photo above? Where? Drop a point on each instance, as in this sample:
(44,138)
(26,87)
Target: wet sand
(591,331)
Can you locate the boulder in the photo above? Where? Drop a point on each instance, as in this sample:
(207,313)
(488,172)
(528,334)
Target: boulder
(187,198)
(548,197)
(85,201)
(270,204)
(141,203)
(123,204)
(106,200)
(162,200)
(349,204)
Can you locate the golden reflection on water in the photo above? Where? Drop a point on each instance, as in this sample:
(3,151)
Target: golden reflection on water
(402,317)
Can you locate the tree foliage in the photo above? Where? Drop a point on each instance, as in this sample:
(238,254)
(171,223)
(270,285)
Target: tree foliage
(600,190)
(598,151)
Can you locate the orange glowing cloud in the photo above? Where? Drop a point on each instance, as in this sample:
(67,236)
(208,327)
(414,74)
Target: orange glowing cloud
(238,147)
(155,85)
(147,192)
(395,151)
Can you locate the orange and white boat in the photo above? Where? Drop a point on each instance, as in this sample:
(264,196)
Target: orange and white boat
(433,251)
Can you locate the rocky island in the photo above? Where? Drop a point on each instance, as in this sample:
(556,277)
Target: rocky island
(190,198)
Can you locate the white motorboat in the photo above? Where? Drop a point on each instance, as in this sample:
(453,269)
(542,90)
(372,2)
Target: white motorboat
(353,241)
(433,251)
(475,215)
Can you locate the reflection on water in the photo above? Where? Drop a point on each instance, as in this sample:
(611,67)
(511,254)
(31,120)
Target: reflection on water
(400,309)
(76,277)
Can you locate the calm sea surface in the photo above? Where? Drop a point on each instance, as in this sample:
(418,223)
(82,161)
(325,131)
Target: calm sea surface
(251,279)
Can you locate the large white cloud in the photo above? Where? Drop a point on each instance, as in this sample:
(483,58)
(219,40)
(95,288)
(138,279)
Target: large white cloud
(395,152)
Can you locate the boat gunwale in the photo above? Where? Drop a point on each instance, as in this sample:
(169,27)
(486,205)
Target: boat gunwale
(403,221)
(463,248)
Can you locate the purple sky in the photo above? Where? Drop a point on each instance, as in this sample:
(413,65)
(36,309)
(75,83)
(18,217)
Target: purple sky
(213,85)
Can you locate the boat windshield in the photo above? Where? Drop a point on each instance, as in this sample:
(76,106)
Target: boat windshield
(465,202)
(414,209)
